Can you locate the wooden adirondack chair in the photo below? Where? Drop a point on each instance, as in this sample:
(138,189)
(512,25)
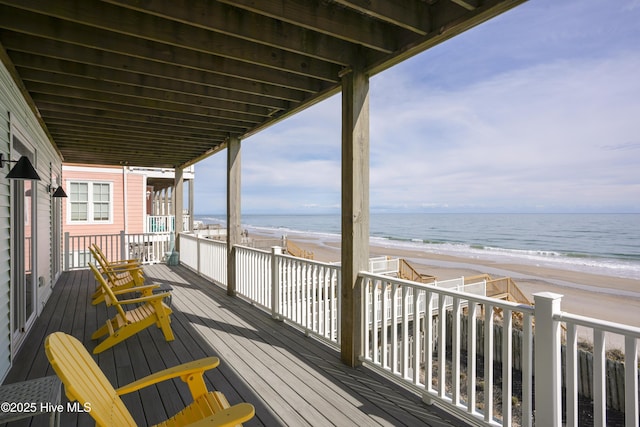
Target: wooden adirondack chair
(140,291)
(85,382)
(117,268)
(117,279)
(150,310)
(115,264)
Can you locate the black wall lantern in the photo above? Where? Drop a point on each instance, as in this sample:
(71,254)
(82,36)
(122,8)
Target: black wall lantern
(23,169)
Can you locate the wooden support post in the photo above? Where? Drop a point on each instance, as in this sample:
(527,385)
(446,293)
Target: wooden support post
(192,183)
(355,209)
(178,200)
(233,210)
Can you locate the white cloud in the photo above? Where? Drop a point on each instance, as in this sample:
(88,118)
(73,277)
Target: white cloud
(544,119)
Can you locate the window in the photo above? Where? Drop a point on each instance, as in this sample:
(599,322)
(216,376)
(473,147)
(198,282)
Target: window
(90,202)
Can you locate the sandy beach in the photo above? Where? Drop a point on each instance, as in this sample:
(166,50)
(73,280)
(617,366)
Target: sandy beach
(613,299)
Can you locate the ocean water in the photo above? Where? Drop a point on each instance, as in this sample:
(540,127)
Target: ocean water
(596,243)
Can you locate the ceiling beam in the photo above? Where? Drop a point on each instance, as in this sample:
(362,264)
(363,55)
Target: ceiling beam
(142,112)
(56,29)
(50,108)
(252,27)
(326,18)
(32,68)
(126,25)
(412,16)
(34,47)
(106,126)
(65,82)
(36,88)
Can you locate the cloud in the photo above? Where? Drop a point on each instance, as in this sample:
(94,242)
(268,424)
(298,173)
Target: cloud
(542,119)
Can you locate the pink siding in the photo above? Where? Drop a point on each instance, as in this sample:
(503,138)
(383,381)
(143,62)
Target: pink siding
(135,202)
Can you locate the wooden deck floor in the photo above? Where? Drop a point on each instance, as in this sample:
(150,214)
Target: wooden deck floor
(292,380)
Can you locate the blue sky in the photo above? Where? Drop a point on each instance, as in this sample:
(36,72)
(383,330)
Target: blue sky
(537,110)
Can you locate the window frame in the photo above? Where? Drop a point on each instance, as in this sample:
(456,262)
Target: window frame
(90,202)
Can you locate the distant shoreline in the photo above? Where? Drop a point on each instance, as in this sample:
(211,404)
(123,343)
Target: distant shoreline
(601,244)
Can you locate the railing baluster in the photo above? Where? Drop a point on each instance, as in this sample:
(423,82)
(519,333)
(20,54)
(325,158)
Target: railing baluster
(376,321)
(471,356)
(442,346)
(599,395)
(405,332)
(455,351)
(488,362)
(527,370)
(367,330)
(428,343)
(572,375)
(328,304)
(507,363)
(394,327)
(417,322)
(631,381)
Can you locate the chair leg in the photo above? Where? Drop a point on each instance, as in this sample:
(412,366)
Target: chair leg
(104,330)
(163,314)
(97,299)
(166,330)
(122,334)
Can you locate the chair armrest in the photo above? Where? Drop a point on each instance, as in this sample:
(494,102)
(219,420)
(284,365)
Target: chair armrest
(147,298)
(229,417)
(184,371)
(123,268)
(123,261)
(137,289)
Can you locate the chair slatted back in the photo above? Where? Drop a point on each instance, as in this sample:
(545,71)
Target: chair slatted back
(109,298)
(85,382)
(105,268)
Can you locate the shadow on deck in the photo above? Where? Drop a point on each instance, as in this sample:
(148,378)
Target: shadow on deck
(291,379)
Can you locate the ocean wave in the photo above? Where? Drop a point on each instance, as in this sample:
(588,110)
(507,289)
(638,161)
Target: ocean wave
(572,261)
(486,244)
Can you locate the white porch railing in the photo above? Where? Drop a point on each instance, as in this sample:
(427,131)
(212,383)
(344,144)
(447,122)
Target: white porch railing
(424,352)
(206,256)
(165,223)
(147,248)
(307,294)
(599,384)
(434,327)
(384,265)
(302,292)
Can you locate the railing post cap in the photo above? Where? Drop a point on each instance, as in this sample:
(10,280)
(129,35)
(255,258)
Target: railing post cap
(276,249)
(547,295)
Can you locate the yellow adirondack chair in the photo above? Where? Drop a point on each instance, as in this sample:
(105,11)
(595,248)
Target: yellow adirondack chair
(117,268)
(141,291)
(117,279)
(118,263)
(85,382)
(151,310)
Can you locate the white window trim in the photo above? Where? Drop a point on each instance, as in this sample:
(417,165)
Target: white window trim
(90,202)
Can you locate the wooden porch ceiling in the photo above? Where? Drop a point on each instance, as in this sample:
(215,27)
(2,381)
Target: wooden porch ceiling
(165,83)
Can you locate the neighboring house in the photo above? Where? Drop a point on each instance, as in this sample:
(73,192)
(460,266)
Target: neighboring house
(106,201)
